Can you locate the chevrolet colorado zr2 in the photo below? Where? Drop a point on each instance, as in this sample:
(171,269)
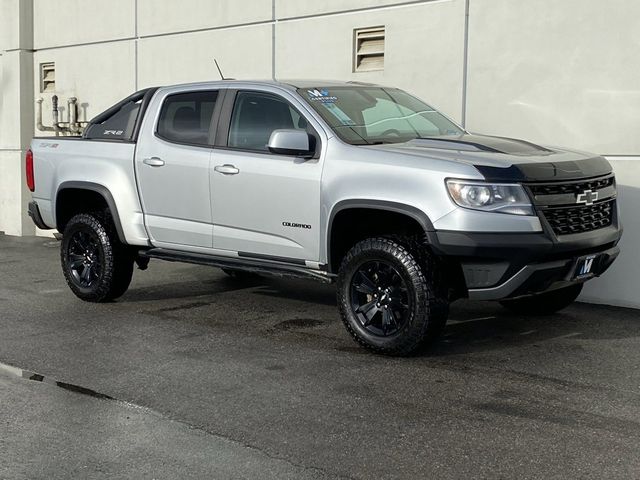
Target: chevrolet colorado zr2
(357,184)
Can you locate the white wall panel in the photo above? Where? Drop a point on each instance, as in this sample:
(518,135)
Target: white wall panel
(9,26)
(289,8)
(423,50)
(559,73)
(241,52)
(619,285)
(173,16)
(70,22)
(13,195)
(97,75)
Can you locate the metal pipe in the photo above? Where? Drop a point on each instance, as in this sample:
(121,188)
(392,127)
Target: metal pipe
(54,103)
(73,115)
(39,123)
(71,126)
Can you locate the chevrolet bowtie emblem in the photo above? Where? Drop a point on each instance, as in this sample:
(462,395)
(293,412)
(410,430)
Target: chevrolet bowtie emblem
(587,197)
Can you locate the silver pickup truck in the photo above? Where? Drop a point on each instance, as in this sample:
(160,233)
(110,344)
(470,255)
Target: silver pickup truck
(355,183)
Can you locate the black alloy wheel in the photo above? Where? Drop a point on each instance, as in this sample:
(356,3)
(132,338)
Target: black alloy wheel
(84,258)
(96,265)
(391,296)
(380,298)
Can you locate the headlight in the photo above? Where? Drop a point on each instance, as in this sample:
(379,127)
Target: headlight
(490,197)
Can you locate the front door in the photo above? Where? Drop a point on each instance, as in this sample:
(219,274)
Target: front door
(264,205)
(172,166)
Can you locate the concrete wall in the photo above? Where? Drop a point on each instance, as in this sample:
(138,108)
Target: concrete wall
(424,48)
(16,113)
(565,73)
(558,73)
(619,286)
(561,73)
(242,52)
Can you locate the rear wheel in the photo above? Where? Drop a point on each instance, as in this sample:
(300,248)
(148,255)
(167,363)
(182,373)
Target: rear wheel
(544,303)
(390,301)
(96,266)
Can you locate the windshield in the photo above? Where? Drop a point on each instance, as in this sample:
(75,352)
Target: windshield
(373,115)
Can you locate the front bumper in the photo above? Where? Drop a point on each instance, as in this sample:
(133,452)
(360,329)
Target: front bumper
(506,265)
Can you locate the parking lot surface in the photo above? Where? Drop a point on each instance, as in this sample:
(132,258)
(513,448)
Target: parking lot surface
(194,375)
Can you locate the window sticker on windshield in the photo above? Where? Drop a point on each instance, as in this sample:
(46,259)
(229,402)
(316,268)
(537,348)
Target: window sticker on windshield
(339,114)
(321,95)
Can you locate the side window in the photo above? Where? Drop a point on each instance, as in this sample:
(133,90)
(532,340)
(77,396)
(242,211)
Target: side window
(119,125)
(256,115)
(186,117)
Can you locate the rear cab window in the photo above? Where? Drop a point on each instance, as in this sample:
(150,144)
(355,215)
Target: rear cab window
(119,126)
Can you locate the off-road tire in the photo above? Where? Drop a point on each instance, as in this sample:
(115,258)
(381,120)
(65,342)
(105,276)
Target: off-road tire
(544,303)
(113,260)
(428,306)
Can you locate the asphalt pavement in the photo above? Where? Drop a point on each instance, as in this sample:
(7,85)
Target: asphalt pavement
(194,375)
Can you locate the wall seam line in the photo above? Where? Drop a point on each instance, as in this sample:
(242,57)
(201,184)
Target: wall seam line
(465,64)
(273,39)
(135,46)
(137,36)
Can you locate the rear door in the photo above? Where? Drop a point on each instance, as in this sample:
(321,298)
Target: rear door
(172,166)
(264,205)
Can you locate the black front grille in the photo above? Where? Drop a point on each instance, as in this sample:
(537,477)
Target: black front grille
(579,187)
(579,219)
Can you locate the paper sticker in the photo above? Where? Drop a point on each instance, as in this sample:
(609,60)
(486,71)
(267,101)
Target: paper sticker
(321,95)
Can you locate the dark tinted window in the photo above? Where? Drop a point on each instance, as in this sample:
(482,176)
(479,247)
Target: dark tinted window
(256,115)
(186,117)
(118,126)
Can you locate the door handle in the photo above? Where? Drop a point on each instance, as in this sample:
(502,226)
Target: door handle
(153,162)
(226,169)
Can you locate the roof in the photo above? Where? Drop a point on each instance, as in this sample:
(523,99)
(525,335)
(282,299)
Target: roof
(288,84)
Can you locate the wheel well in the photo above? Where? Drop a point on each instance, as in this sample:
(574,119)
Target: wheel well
(72,201)
(351,225)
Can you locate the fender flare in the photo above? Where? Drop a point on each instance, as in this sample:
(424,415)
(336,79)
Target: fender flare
(102,191)
(415,213)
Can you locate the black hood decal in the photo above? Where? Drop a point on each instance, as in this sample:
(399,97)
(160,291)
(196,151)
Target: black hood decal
(547,171)
(542,168)
(482,143)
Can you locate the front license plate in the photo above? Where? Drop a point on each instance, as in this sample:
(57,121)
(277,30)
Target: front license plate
(585,267)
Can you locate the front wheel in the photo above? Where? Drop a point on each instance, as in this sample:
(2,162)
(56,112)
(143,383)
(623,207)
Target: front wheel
(390,302)
(544,303)
(96,266)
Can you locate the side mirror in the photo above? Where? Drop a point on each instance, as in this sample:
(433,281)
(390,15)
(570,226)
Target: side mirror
(290,142)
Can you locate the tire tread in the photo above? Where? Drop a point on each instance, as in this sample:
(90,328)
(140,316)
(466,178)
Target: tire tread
(422,270)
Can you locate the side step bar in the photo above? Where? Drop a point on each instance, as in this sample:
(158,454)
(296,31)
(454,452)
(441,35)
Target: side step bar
(260,266)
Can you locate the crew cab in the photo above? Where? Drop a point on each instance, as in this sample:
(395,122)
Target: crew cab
(357,184)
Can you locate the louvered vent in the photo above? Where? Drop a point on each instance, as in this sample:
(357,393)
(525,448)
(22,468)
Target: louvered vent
(47,77)
(368,49)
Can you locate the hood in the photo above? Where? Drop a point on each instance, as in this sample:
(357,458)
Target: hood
(505,159)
